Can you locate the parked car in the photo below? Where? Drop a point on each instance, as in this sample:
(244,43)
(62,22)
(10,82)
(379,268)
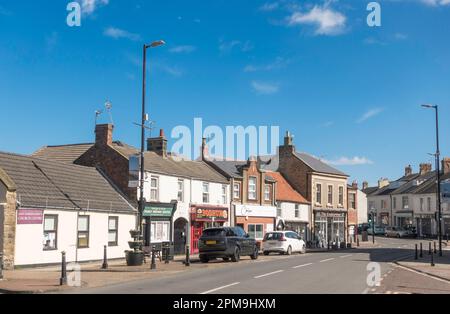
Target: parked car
(283,242)
(379,230)
(226,243)
(396,232)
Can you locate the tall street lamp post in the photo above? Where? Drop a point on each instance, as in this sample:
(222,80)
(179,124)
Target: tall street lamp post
(438,191)
(142,170)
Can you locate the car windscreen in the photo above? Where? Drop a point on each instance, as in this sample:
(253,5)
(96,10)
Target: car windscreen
(213,233)
(273,236)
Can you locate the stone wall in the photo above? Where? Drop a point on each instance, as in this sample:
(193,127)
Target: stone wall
(9,229)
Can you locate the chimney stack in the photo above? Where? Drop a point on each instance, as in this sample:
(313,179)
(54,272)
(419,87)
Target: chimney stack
(365,185)
(103,134)
(355,184)
(425,168)
(158,144)
(446,165)
(204,149)
(408,170)
(288,139)
(383,182)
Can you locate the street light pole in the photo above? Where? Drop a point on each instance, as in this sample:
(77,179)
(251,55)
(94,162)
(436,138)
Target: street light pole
(142,169)
(438,171)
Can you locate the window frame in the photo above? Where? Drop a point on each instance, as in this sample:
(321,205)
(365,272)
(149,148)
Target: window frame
(319,193)
(256,232)
(297,211)
(238,184)
(251,192)
(205,184)
(341,195)
(156,189)
(87,233)
(180,198)
(224,194)
(116,242)
(55,231)
(330,194)
(267,194)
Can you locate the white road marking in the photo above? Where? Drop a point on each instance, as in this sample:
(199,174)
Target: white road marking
(423,274)
(220,288)
(326,260)
(345,256)
(300,266)
(269,274)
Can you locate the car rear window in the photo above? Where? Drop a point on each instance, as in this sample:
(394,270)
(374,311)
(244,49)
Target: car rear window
(214,233)
(273,236)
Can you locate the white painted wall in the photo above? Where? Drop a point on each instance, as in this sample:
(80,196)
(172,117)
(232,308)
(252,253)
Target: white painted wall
(362,207)
(29,239)
(288,212)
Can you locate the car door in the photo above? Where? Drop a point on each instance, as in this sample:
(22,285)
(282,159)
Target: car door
(297,243)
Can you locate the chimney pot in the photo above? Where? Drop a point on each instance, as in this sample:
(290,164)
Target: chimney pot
(446,165)
(365,185)
(161,133)
(425,168)
(408,170)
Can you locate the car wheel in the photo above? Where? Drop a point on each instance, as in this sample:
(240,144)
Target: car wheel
(266,253)
(204,259)
(303,251)
(398,236)
(236,256)
(226,259)
(254,256)
(289,250)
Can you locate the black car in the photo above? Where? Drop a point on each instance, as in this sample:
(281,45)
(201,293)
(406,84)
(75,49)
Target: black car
(226,243)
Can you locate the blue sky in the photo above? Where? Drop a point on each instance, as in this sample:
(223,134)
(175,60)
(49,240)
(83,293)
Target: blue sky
(349,93)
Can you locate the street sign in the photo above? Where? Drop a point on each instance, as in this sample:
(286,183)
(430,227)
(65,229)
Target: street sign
(159,210)
(26,216)
(445,190)
(134,167)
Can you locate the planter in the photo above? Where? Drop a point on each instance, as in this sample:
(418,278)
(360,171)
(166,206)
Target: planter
(135,234)
(135,245)
(134,258)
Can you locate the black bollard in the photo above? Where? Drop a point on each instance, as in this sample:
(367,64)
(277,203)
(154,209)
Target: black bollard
(435,250)
(416,256)
(432,259)
(187,262)
(105,258)
(421,250)
(357,241)
(429,248)
(447,237)
(63,279)
(1,265)
(153,263)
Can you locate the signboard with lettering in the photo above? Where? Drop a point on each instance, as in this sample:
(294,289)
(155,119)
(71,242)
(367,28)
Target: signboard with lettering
(26,216)
(210,214)
(134,165)
(159,210)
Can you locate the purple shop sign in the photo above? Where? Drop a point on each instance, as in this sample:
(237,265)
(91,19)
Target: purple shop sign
(30,216)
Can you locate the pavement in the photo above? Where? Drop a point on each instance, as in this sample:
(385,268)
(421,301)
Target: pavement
(388,266)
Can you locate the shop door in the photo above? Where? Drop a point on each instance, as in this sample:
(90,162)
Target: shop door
(426,226)
(180,236)
(196,233)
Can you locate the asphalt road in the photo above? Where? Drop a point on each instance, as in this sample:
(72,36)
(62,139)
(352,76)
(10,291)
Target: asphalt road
(342,271)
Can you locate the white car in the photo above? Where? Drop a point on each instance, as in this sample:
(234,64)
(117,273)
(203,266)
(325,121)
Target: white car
(283,242)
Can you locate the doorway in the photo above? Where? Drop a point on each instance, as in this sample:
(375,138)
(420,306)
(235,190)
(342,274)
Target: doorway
(180,236)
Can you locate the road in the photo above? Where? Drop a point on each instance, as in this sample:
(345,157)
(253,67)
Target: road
(334,272)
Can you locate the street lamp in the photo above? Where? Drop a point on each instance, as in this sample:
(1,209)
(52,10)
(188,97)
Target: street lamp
(438,192)
(142,172)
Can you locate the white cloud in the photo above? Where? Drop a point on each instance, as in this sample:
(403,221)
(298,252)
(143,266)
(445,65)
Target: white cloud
(265,88)
(326,20)
(4,11)
(228,46)
(89,6)
(279,63)
(400,36)
(169,69)
(436,2)
(346,161)
(370,114)
(118,33)
(327,124)
(183,49)
(269,6)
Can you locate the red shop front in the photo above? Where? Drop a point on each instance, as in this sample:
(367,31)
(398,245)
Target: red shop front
(204,217)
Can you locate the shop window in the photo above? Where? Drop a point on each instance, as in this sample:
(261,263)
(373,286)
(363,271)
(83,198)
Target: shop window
(267,192)
(180,196)
(50,232)
(113,231)
(252,188)
(236,191)
(154,189)
(256,231)
(160,231)
(83,232)
(205,192)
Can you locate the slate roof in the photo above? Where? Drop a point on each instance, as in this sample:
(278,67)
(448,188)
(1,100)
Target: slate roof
(412,185)
(317,165)
(64,153)
(49,184)
(230,168)
(370,190)
(430,186)
(285,192)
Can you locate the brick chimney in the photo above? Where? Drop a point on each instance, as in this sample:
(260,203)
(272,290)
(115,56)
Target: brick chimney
(103,134)
(158,144)
(425,168)
(365,185)
(355,185)
(288,148)
(204,149)
(383,182)
(408,170)
(446,165)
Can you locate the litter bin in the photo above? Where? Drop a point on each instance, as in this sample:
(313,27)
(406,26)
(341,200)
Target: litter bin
(167,251)
(365,236)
